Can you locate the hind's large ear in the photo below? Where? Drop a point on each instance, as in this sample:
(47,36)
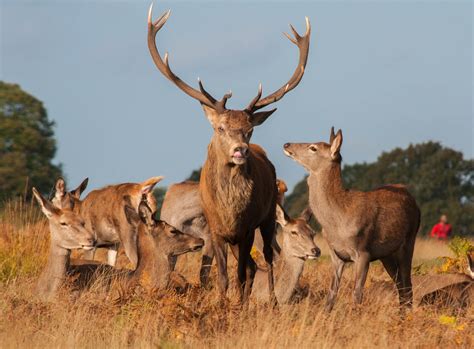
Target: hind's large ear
(307,214)
(258,118)
(78,191)
(47,207)
(336,145)
(145,213)
(281,217)
(149,184)
(332,135)
(60,189)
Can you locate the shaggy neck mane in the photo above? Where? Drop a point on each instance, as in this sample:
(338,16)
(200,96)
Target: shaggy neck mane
(231,185)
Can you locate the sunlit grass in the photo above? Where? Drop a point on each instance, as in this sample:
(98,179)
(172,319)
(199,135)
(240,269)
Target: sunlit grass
(97,318)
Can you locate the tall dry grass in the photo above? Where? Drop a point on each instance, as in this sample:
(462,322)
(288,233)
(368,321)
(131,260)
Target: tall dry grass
(92,318)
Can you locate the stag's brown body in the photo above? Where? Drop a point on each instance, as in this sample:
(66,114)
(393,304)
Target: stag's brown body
(237,186)
(359,227)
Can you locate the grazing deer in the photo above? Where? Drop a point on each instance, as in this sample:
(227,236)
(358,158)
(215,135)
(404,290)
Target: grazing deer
(237,184)
(68,232)
(102,210)
(183,209)
(296,247)
(449,290)
(359,226)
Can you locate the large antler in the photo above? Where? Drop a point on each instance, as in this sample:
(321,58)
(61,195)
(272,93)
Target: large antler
(163,66)
(303,45)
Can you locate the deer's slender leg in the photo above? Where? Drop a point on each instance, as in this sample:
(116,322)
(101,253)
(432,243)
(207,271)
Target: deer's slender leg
(220,251)
(246,266)
(112,254)
(268,233)
(404,261)
(206,263)
(338,267)
(361,270)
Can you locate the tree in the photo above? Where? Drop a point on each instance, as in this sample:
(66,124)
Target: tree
(27,144)
(441,180)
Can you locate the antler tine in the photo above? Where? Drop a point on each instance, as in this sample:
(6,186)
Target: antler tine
(204,92)
(255,99)
(163,66)
(303,45)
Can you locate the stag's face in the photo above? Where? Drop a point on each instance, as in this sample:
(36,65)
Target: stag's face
(232,133)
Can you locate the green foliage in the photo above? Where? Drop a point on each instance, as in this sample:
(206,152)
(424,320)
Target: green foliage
(195,176)
(460,246)
(159,194)
(27,144)
(441,180)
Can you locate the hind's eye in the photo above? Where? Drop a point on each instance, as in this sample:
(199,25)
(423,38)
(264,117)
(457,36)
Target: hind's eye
(294,233)
(313,148)
(220,129)
(63,224)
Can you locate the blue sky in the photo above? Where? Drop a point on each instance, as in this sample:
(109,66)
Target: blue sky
(389,73)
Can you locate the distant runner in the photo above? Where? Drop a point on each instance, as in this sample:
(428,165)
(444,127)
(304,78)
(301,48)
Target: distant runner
(442,230)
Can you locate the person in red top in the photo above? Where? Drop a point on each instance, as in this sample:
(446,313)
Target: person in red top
(442,230)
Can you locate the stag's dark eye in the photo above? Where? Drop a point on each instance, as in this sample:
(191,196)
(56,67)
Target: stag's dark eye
(313,148)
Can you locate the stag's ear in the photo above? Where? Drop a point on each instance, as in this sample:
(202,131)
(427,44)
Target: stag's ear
(336,145)
(259,117)
(60,189)
(306,214)
(80,189)
(332,135)
(281,217)
(149,184)
(47,207)
(145,214)
(132,216)
(212,115)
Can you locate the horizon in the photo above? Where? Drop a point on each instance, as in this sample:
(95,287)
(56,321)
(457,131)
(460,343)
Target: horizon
(388,74)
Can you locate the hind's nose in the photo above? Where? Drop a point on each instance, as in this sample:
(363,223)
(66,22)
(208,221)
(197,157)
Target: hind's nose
(316,251)
(286,145)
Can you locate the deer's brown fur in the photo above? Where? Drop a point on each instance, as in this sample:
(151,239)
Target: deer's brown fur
(103,212)
(237,183)
(359,227)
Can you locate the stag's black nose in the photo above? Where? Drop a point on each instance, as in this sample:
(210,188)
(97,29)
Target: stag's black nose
(286,145)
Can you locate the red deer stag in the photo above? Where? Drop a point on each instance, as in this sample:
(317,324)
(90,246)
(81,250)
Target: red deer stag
(237,185)
(359,227)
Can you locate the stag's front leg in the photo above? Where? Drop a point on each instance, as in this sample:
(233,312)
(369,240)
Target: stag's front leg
(338,267)
(246,267)
(220,251)
(361,269)
(268,232)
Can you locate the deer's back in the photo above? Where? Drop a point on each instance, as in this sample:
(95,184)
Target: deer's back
(103,210)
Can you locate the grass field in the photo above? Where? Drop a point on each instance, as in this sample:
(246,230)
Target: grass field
(95,318)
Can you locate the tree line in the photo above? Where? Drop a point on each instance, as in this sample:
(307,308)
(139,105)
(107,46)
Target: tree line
(439,177)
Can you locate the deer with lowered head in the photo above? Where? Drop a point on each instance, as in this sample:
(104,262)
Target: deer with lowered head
(67,232)
(237,184)
(296,245)
(359,227)
(183,209)
(103,212)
